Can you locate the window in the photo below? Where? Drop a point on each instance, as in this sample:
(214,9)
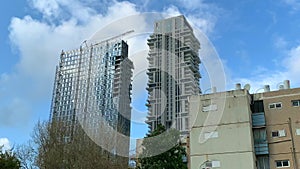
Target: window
(296,103)
(278,133)
(212,164)
(213,134)
(275,133)
(186,121)
(212,107)
(275,105)
(298,132)
(278,105)
(282,163)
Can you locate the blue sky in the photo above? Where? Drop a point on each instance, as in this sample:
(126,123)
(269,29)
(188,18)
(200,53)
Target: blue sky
(258,42)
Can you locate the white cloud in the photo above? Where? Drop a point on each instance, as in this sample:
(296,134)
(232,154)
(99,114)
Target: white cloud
(205,25)
(39,44)
(274,78)
(194,4)
(48,7)
(5,143)
(55,10)
(203,15)
(292,63)
(171,11)
(65,25)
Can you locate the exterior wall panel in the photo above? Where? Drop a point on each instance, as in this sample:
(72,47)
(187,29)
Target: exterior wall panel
(233,145)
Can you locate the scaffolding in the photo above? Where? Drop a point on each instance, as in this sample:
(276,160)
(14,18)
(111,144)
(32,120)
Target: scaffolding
(92,89)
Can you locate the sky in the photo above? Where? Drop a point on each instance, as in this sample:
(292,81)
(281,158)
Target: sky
(256,42)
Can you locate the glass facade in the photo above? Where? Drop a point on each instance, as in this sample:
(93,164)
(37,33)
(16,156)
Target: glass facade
(93,89)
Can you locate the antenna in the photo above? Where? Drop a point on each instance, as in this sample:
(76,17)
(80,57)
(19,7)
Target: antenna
(247,87)
(114,37)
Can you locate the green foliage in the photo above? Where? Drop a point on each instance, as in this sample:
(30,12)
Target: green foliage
(8,160)
(166,142)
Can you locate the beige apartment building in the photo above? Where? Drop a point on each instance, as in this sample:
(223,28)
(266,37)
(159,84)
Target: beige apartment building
(282,111)
(238,130)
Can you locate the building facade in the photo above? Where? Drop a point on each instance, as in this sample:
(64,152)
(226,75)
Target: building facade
(255,131)
(282,114)
(92,90)
(224,143)
(173,73)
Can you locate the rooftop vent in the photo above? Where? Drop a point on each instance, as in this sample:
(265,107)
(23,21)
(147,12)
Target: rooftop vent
(281,87)
(247,87)
(237,86)
(214,89)
(267,88)
(286,84)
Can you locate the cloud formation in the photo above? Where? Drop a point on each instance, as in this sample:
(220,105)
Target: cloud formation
(290,71)
(39,43)
(65,24)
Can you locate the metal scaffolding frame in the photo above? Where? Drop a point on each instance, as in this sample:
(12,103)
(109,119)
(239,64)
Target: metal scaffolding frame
(93,89)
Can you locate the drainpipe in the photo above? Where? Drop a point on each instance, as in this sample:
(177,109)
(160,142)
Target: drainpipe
(293,145)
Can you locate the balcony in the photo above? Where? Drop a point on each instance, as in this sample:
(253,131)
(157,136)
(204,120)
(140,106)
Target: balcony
(261,148)
(260,141)
(258,120)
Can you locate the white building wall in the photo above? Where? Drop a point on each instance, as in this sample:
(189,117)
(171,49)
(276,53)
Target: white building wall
(222,130)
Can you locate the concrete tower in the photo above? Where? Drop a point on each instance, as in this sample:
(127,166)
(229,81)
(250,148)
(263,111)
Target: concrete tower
(173,73)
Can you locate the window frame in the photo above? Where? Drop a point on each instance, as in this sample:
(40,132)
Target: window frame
(295,101)
(281,161)
(275,105)
(279,133)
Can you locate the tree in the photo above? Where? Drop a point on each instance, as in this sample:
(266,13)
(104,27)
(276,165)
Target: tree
(49,149)
(26,153)
(167,143)
(8,160)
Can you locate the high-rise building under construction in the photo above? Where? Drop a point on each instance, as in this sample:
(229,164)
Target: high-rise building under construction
(92,90)
(173,73)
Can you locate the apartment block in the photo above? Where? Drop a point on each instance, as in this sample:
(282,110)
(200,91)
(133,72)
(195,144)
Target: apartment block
(236,129)
(221,135)
(282,114)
